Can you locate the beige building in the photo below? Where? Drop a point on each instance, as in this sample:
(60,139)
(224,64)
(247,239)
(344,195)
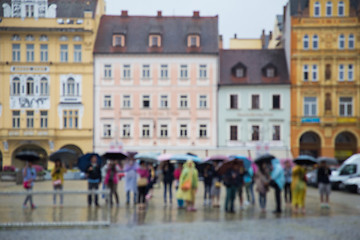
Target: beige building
(46,76)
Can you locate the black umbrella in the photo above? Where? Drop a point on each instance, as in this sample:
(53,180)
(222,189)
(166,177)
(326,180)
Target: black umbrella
(264,158)
(115,155)
(305,160)
(64,155)
(328,160)
(28,156)
(229,165)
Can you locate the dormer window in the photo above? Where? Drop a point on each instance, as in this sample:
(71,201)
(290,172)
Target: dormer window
(154,40)
(239,70)
(193,41)
(269,71)
(118,40)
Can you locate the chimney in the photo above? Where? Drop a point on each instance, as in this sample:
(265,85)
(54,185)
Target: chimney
(124,13)
(220,42)
(159,14)
(235,36)
(262,38)
(196,14)
(270,35)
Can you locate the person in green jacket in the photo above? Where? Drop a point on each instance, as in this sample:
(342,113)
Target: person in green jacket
(188,185)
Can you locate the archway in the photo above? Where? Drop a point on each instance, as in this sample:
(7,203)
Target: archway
(78,153)
(345,145)
(310,144)
(30,147)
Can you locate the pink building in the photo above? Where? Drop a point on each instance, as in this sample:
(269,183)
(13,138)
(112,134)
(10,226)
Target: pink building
(156,83)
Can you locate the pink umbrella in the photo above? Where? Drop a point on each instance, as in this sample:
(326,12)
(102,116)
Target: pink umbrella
(284,160)
(217,158)
(164,157)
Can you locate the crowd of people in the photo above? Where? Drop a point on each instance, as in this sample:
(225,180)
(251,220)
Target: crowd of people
(140,178)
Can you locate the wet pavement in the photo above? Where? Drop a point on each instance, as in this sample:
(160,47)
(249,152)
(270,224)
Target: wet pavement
(342,221)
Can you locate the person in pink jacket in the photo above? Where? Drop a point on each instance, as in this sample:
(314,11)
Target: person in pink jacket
(111,181)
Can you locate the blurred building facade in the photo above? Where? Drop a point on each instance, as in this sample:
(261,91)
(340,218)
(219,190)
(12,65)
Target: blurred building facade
(46,76)
(322,42)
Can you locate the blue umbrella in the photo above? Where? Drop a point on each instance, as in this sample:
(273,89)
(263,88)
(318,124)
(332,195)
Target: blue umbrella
(185,157)
(245,160)
(84,161)
(148,157)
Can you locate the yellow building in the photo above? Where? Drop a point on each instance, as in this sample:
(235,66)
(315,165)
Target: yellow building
(46,76)
(323,46)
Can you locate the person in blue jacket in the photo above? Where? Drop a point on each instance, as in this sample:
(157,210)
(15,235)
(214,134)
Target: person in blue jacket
(277,182)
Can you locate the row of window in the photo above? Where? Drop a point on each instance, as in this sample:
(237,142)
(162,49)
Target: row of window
(126,72)
(184,101)
(147,132)
(29,88)
(155,40)
(44,38)
(44,54)
(345,107)
(329,9)
(345,72)
(255,101)
(341,42)
(255,134)
(70,119)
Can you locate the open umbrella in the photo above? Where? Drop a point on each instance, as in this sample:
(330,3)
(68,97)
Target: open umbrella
(149,157)
(28,156)
(185,157)
(115,154)
(283,161)
(217,158)
(264,158)
(228,165)
(245,160)
(328,160)
(305,160)
(84,161)
(164,157)
(65,155)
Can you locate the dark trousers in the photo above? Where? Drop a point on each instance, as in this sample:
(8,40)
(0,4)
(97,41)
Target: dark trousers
(277,196)
(230,198)
(168,187)
(93,186)
(287,192)
(141,194)
(207,191)
(113,191)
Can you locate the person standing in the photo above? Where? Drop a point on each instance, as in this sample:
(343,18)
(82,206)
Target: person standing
(231,180)
(93,173)
(262,180)
(57,177)
(248,182)
(240,183)
(208,182)
(216,186)
(111,181)
(177,174)
(168,178)
(298,188)
(29,176)
(188,185)
(324,186)
(288,178)
(130,180)
(142,184)
(277,182)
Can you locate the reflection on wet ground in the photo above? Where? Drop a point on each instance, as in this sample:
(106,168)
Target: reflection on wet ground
(75,208)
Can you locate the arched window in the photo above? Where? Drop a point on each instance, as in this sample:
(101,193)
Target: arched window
(70,85)
(341,11)
(306,42)
(30,86)
(43,38)
(329,9)
(315,42)
(16,86)
(341,41)
(44,90)
(351,41)
(317,9)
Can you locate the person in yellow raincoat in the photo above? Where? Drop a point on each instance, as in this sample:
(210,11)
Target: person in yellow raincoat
(57,177)
(188,185)
(298,188)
